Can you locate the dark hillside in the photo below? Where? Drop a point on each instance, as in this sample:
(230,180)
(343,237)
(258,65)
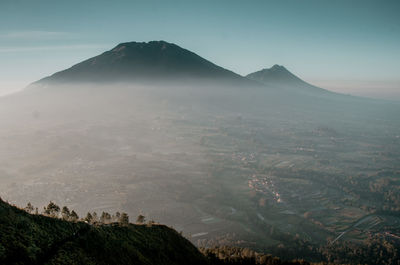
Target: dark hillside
(36,239)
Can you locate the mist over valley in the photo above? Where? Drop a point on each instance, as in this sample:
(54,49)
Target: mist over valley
(257,161)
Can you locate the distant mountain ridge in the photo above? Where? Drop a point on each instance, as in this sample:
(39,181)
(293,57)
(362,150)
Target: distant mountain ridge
(161,61)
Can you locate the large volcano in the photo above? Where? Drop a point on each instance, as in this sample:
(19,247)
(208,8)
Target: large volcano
(141,61)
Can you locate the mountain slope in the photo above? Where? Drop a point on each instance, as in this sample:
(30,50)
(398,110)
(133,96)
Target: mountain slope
(141,61)
(35,239)
(279,76)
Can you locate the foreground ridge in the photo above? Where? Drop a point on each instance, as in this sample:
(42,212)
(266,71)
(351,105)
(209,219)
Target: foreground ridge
(37,239)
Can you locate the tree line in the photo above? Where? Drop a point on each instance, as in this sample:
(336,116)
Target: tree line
(54,211)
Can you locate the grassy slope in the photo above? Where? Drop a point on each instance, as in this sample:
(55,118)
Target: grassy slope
(35,239)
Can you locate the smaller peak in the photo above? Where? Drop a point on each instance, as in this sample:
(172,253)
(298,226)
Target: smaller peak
(276,74)
(277,67)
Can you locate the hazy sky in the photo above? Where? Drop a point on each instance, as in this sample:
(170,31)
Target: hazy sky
(349,46)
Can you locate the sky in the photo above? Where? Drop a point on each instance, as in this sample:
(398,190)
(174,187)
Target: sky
(349,46)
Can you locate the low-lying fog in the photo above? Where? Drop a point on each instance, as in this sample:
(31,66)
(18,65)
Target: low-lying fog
(221,163)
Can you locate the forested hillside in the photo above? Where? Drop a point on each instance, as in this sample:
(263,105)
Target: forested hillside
(37,239)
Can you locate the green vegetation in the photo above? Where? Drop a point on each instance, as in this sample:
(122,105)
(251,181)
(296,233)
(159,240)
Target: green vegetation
(37,239)
(27,238)
(235,256)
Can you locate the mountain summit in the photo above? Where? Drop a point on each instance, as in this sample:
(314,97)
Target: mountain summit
(275,74)
(136,61)
(279,76)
